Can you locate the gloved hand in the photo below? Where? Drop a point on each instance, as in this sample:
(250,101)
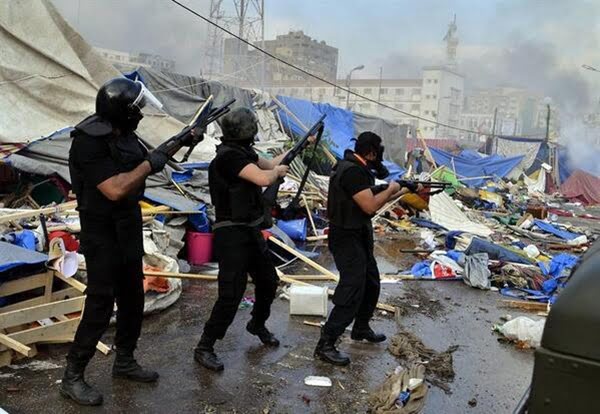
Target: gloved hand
(157,159)
(411,186)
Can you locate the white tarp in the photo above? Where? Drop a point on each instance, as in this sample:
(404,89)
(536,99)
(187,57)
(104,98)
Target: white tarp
(49,75)
(445,212)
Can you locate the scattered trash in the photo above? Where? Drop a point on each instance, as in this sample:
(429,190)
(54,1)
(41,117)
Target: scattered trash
(406,346)
(402,392)
(318,381)
(523,330)
(247,302)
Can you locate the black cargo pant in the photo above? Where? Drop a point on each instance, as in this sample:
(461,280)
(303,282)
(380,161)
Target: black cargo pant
(114,273)
(241,250)
(357,292)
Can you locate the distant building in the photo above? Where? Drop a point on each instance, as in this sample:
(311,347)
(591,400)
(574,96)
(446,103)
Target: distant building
(438,96)
(130,61)
(244,63)
(519,111)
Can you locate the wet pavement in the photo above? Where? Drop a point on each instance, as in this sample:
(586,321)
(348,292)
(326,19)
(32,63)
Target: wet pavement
(261,380)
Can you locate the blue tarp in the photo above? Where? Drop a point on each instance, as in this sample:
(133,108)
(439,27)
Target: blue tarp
(550,228)
(12,256)
(339,126)
(495,251)
(494,165)
(339,130)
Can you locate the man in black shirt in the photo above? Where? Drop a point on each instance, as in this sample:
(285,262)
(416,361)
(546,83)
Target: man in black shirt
(350,206)
(108,169)
(236,176)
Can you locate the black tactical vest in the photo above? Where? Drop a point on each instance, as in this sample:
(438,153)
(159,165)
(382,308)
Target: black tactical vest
(237,203)
(342,210)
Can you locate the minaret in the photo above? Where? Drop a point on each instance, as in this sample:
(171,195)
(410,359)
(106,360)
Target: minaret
(451,44)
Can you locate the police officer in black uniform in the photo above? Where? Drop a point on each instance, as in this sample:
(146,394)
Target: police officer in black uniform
(351,204)
(108,169)
(236,176)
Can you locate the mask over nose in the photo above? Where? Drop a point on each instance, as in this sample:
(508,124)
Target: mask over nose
(377,166)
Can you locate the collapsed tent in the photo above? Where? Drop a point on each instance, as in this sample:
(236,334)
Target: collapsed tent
(49,76)
(341,127)
(583,187)
(528,148)
(474,171)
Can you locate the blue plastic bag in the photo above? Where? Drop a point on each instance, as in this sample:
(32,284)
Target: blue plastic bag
(295,229)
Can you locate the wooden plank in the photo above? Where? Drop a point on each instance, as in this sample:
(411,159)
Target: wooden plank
(72,282)
(60,331)
(48,286)
(23,284)
(58,295)
(36,313)
(32,213)
(305,259)
(525,305)
(15,345)
(312,223)
(191,276)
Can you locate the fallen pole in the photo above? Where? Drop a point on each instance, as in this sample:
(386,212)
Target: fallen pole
(33,213)
(305,259)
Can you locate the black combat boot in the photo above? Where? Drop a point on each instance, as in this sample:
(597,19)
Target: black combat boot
(363,331)
(73,386)
(126,367)
(260,330)
(205,354)
(326,351)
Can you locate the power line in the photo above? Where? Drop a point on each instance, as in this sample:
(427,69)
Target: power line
(272,56)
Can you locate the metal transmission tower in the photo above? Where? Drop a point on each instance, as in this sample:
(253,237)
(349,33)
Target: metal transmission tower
(245,18)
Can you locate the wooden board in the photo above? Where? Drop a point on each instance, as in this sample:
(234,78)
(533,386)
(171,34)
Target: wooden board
(58,295)
(17,346)
(35,313)
(63,331)
(23,284)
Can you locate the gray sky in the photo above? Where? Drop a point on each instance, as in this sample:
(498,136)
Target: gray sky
(539,44)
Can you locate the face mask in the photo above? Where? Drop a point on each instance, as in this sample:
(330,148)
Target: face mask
(131,123)
(377,166)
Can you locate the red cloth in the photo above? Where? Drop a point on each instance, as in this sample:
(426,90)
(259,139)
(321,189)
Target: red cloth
(71,243)
(583,187)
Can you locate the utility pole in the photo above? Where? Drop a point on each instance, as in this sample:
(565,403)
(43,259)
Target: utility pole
(490,141)
(379,90)
(548,123)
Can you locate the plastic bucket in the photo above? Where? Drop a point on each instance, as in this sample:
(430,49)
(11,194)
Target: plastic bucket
(295,229)
(199,247)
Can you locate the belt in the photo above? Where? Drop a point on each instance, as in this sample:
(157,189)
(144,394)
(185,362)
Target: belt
(230,223)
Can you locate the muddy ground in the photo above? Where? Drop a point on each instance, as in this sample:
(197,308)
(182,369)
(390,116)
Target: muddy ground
(258,380)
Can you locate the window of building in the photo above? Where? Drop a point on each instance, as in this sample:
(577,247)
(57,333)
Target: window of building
(367,91)
(321,91)
(428,80)
(414,107)
(294,91)
(426,112)
(384,91)
(399,106)
(433,96)
(416,91)
(399,91)
(365,107)
(307,91)
(435,81)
